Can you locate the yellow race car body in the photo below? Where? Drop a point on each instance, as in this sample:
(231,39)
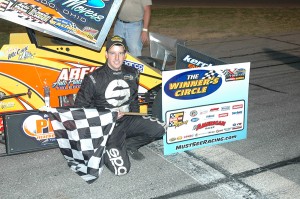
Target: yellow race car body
(33,61)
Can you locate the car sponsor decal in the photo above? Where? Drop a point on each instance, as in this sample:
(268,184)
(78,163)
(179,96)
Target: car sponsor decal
(193,84)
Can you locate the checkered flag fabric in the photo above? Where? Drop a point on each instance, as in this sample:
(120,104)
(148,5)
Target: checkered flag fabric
(211,75)
(82,135)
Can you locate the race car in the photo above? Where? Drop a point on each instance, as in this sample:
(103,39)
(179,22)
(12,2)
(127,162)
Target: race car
(46,64)
(33,62)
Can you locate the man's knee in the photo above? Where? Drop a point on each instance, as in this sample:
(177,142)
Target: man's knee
(117,161)
(161,132)
(158,127)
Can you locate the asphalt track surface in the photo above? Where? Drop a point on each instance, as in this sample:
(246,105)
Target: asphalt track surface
(265,165)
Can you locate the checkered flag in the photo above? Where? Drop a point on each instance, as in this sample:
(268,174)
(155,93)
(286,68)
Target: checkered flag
(211,75)
(82,135)
(171,120)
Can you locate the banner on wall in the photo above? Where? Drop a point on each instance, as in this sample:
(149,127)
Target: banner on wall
(211,106)
(84,22)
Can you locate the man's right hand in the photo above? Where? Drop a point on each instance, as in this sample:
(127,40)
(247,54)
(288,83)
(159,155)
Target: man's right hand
(120,115)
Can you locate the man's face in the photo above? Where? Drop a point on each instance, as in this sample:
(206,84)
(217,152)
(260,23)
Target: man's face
(115,57)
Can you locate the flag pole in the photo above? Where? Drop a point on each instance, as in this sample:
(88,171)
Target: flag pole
(135,113)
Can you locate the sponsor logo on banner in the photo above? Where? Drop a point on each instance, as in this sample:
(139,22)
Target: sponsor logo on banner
(84,8)
(195,119)
(203,112)
(179,138)
(223,115)
(208,124)
(237,127)
(91,31)
(237,112)
(188,136)
(30,12)
(225,108)
(176,119)
(95,3)
(193,84)
(3,5)
(237,124)
(193,113)
(237,106)
(210,116)
(214,109)
(39,127)
(64,25)
(234,74)
(210,127)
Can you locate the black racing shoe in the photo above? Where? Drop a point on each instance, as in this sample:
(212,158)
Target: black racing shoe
(135,154)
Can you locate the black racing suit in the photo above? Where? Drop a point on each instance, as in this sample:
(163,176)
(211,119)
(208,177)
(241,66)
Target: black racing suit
(118,90)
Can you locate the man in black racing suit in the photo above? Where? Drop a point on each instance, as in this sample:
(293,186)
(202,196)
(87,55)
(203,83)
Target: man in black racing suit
(115,86)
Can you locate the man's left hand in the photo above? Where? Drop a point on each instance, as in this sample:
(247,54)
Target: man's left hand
(145,37)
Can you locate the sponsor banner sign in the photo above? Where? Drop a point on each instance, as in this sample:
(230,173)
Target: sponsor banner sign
(204,107)
(28,131)
(84,22)
(188,58)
